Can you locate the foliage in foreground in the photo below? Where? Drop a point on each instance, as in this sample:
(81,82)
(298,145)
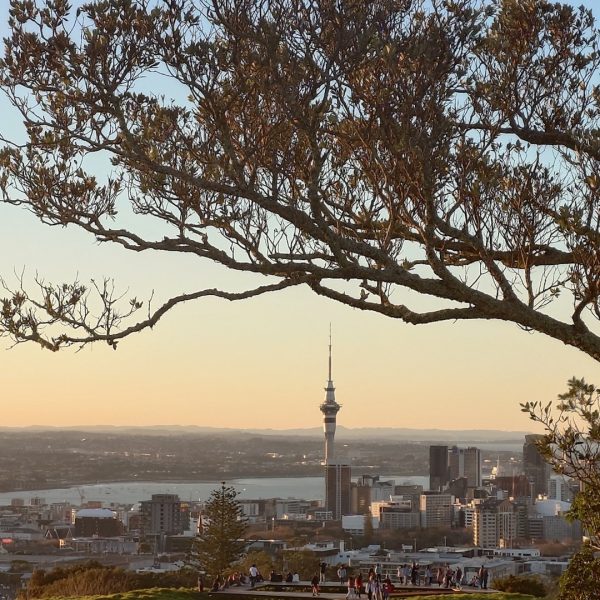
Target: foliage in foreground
(571,444)
(522,585)
(148,594)
(371,151)
(581,580)
(93,579)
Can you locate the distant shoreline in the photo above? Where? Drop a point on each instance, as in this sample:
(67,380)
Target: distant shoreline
(178,481)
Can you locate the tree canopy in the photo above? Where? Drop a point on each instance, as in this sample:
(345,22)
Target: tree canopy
(571,445)
(220,541)
(377,152)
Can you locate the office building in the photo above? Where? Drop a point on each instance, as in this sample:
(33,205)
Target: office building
(438,468)
(437,510)
(536,469)
(494,523)
(97,522)
(410,492)
(337,489)
(367,489)
(396,513)
(465,462)
(515,486)
(162,515)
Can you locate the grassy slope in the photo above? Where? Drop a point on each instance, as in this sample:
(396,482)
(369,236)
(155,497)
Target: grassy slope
(185,594)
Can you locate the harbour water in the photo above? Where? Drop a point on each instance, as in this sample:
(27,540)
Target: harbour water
(131,492)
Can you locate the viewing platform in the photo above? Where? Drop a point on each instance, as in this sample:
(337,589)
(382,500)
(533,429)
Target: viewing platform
(333,590)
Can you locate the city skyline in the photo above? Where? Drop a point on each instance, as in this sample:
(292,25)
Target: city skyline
(261,362)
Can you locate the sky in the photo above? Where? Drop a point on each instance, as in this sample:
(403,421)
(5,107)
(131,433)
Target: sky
(262,362)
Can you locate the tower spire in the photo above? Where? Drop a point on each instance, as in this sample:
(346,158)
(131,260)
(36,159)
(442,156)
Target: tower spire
(329,351)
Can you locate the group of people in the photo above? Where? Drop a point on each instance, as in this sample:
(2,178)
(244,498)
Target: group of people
(410,573)
(375,586)
(378,588)
(480,580)
(219,583)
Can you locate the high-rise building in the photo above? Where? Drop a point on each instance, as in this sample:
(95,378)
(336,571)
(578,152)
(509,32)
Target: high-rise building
(536,469)
(162,515)
(395,513)
(494,523)
(438,468)
(337,489)
(465,462)
(410,492)
(515,486)
(367,489)
(437,510)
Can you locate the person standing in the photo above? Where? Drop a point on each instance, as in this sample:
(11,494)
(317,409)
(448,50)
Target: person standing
(351,590)
(377,592)
(378,572)
(314,582)
(253,573)
(459,575)
(414,571)
(448,577)
(322,571)
(484,579)
(480,576)
(400,574)
(358,585)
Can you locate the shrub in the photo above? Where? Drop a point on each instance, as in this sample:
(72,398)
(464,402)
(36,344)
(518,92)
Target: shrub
(95,579)
(521,585)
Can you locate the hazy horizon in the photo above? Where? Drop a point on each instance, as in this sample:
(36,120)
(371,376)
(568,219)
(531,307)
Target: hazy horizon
(315,430)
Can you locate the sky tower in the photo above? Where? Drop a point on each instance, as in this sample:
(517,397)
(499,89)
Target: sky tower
(330,409)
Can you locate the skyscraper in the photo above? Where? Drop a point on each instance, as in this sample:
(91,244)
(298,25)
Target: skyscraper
(438,467)
(536,469)
(465,462)
(338,492)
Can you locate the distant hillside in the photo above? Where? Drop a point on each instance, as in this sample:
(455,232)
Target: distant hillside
(343,433)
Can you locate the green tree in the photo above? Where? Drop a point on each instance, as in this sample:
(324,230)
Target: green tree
(372,151)
(305,563)
(263,560)
(571,444)
(221,539)
(581,579)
